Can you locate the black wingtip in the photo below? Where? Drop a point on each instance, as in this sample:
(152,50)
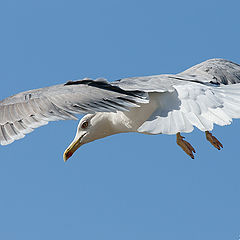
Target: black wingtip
(107,86)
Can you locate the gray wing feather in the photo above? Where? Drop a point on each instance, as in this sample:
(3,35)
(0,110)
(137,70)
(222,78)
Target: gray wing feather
(216,71)
(21,113)
(212,71)
(156,83)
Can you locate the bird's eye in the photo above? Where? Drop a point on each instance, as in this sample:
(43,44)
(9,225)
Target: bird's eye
(84,125)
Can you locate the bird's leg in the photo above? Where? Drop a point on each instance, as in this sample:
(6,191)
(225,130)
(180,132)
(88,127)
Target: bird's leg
(213,140)
(186,146)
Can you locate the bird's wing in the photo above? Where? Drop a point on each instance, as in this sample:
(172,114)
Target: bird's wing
(215,71)
(21,113)
(193,105)
(210,72)
(201,96)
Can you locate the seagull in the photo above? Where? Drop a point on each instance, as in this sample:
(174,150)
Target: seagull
(203,95)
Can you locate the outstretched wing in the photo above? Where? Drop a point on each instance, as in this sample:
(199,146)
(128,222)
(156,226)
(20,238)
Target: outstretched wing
(21,113)
(193,105)
(215,71)
(212,71)
(196,97)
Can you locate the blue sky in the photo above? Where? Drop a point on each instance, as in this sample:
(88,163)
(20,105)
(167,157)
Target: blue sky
(127,186)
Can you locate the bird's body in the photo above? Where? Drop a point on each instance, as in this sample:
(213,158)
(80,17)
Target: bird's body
(204,95)
(130,121)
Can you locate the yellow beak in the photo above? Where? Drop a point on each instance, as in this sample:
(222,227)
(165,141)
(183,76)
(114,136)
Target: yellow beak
(71,149)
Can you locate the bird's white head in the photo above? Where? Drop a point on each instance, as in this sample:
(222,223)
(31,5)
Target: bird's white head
(90,128)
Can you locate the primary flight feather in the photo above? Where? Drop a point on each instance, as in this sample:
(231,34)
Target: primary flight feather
(201,96)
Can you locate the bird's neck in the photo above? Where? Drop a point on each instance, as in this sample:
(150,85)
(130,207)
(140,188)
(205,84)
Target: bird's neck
(131,120)
(113,123)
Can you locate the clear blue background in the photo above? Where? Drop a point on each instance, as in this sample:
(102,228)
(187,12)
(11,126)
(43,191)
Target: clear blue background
(127,186)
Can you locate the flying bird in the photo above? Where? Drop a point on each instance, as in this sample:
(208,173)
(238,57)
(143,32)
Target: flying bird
(203,95)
